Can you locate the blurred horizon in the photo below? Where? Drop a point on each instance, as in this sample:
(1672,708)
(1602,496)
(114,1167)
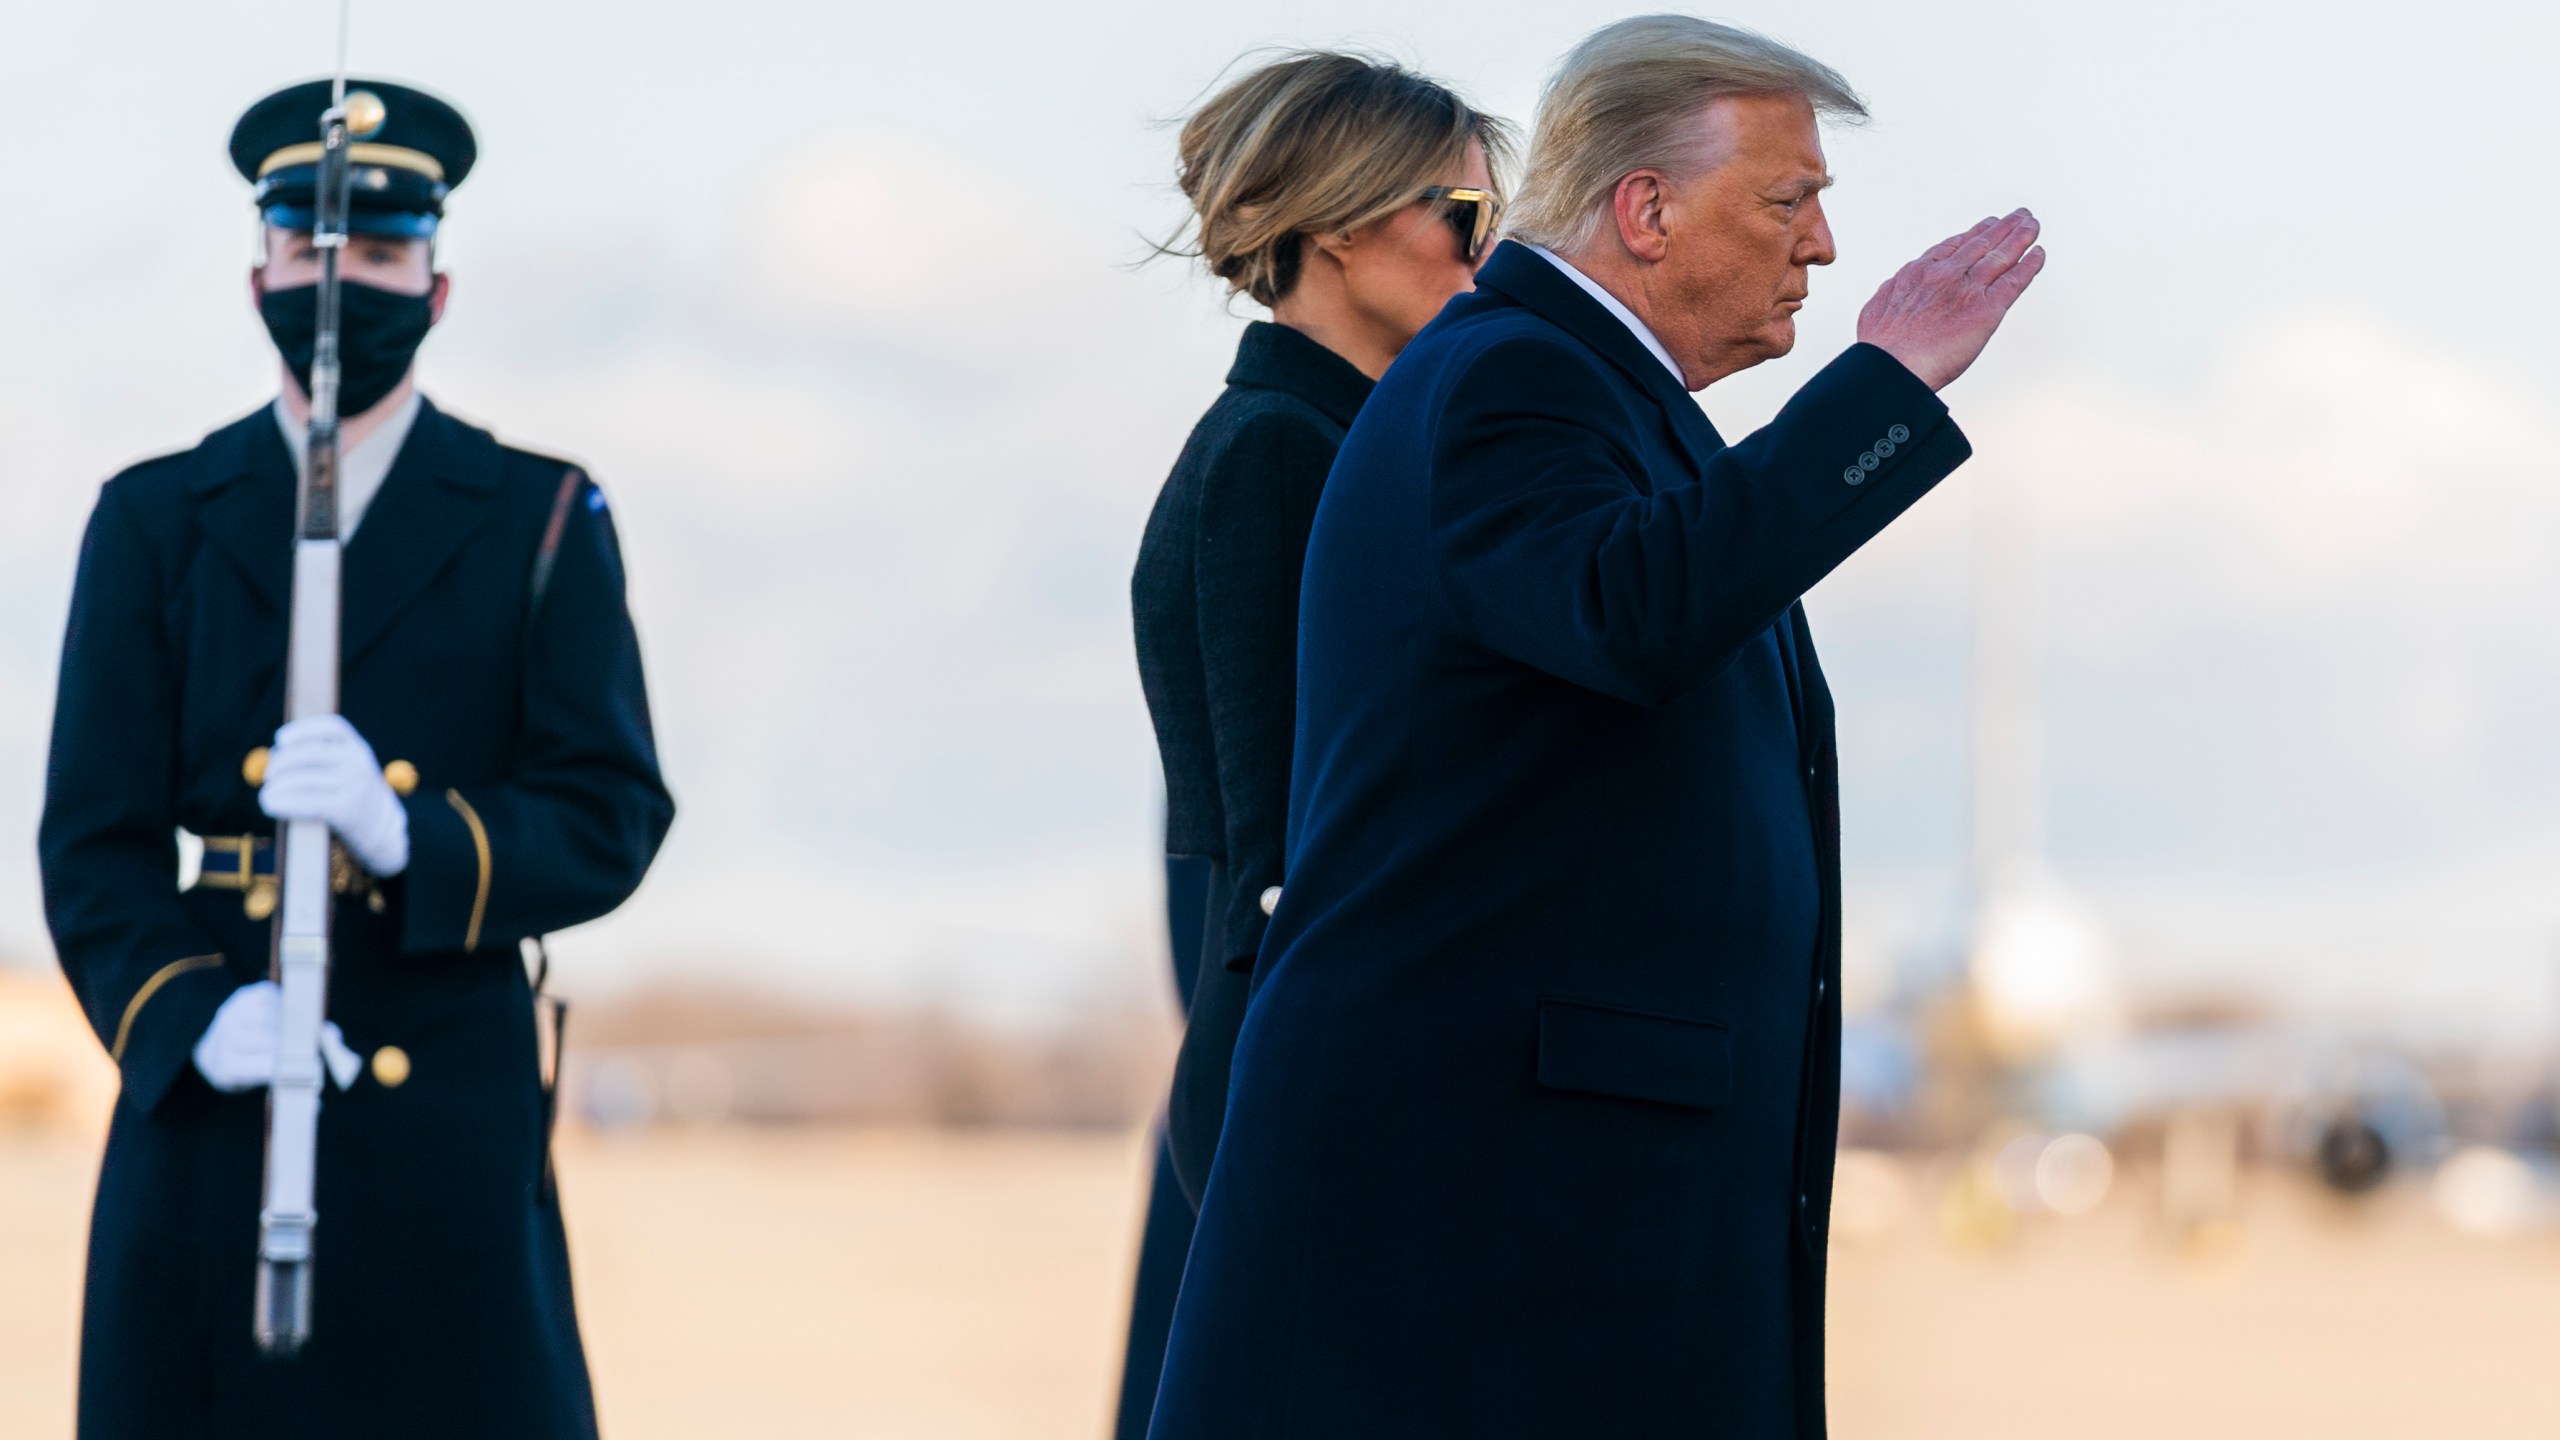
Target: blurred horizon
(846,312)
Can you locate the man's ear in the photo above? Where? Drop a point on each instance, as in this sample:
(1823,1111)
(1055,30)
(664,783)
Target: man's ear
(435,297)
(257,286)
(1637,205)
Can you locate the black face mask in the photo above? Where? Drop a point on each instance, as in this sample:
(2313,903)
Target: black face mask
(379,332)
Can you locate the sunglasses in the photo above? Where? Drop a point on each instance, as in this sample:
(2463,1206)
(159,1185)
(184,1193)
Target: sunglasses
(1474,214)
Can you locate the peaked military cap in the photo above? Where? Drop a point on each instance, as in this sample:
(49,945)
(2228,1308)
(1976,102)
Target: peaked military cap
(400,174)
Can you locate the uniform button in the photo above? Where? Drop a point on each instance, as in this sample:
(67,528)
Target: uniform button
(1868,461)
(1270,899)
(391,1067)
(1854,475)
(253,767)
(1898,434)
(401,776)
(1884,449)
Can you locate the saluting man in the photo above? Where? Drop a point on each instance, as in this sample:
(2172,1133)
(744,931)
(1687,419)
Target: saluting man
(492,777)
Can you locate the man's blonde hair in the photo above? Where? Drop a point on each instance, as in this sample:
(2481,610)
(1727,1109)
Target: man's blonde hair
(1627,99)
(1314,143)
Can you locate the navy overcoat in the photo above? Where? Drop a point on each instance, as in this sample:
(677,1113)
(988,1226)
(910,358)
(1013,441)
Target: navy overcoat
(441,1302)
(1531,1122)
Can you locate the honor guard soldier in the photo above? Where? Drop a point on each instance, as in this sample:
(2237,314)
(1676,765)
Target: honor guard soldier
(490,776)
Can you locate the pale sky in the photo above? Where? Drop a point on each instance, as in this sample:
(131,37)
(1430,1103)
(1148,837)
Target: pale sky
(838,302)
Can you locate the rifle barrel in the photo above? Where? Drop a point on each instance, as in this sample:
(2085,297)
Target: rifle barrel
(287,1217)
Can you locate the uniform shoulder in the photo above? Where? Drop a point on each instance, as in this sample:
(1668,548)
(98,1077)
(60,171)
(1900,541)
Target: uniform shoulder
(522,467)
(540,463)
(529,485)
(159,483)
(518,467)
(548,490)
(159,477)
(545,477)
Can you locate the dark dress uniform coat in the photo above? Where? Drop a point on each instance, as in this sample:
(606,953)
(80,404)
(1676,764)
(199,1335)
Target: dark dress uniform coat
(1531,1121)
(442,1304)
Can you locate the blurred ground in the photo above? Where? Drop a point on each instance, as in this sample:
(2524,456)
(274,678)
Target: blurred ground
(942,1285)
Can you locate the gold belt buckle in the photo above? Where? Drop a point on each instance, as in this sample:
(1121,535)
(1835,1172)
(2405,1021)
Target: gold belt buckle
(259,892)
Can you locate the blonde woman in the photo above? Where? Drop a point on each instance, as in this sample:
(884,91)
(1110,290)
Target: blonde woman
(1351,198)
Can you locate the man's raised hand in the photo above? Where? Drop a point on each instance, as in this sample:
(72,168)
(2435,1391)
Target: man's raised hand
(1937,312)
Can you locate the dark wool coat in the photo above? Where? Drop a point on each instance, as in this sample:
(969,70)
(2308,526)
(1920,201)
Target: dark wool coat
(442,1303)
(1215,601)
(1215,598)
(1531,1122)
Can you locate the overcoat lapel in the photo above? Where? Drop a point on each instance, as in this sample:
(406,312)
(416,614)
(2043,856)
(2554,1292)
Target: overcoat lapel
(1522,274)
(247,479)
(433,501)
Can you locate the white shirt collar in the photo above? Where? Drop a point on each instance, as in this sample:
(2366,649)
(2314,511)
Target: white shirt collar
(1614,306)
(362,469)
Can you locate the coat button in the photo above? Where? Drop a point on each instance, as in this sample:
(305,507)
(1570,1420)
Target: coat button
(253,767)
(1868,461)
(391,1067)
(1270,899)
(1854,475)
(401,776)
(1898,434)
(1884,449)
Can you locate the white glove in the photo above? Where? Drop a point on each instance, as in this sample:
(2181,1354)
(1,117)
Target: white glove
(321,769)
(238,1051)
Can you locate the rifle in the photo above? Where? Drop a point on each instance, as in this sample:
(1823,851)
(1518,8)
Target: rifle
(300,958)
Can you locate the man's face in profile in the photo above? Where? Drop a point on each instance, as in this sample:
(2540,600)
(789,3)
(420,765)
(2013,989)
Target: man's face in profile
(1744,233)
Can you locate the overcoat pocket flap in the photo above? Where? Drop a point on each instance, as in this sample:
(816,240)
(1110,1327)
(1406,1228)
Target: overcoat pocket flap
(1641,1057)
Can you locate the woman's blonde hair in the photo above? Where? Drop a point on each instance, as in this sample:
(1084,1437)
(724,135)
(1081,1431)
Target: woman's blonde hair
(1317,142)
(1627,98)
